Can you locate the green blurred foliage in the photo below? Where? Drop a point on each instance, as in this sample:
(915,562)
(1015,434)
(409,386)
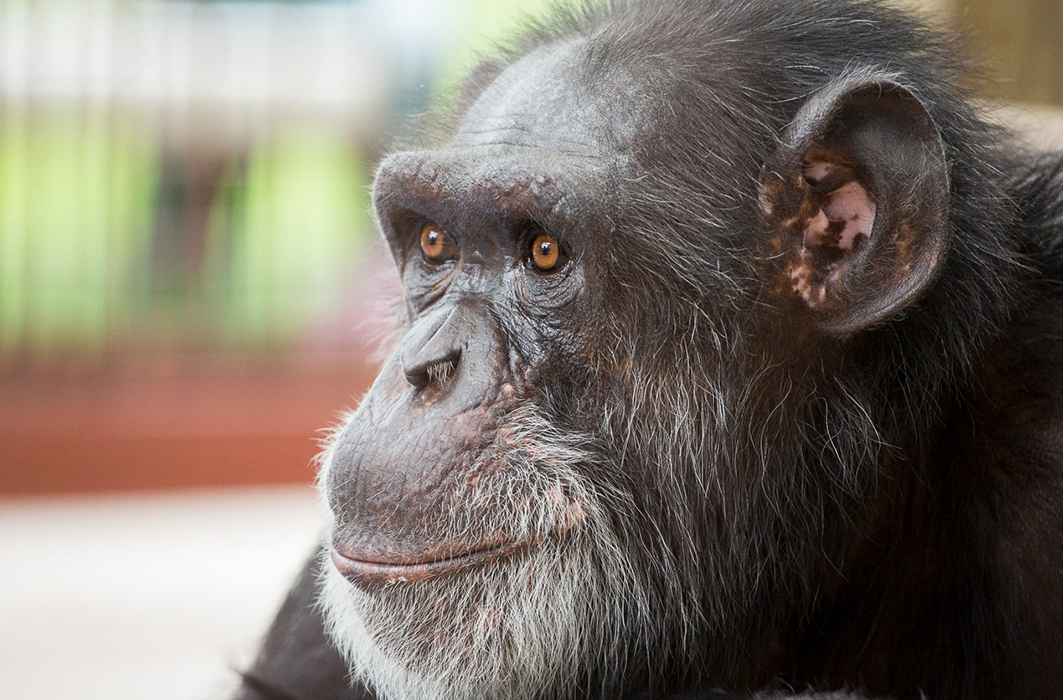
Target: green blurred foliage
(75,220)
(486,23)
(78,204)
(297,226)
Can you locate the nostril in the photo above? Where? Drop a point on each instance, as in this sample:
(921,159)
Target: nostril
(440,373)
(433,375)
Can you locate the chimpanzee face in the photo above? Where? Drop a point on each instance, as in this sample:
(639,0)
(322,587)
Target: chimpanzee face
(561,468)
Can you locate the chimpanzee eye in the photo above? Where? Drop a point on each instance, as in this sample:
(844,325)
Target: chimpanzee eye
(435,245)
(546,254)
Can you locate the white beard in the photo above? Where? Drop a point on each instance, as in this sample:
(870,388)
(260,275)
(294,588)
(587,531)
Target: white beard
(515,629)
(536,624)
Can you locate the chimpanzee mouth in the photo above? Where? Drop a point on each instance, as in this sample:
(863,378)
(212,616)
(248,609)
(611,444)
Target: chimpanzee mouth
(368,569)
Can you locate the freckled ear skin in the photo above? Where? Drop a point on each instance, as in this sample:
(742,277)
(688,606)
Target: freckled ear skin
(297,660)
(855,204)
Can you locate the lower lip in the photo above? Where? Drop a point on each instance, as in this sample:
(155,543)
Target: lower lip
(376,572)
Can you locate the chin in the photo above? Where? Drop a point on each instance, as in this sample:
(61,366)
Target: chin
(517,626)
(519,583)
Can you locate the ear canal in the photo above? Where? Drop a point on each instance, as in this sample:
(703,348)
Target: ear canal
(855,204)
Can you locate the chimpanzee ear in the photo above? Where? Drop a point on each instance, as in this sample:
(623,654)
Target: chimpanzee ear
(855,202)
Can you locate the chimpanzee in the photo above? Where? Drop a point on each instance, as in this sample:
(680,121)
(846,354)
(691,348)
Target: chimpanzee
(732,367)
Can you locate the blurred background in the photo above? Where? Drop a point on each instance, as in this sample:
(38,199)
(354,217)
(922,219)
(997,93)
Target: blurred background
(190,286)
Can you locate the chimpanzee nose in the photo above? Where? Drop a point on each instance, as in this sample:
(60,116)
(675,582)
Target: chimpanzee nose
(431,351)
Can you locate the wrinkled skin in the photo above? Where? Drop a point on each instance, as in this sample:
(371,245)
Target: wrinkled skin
(774,411)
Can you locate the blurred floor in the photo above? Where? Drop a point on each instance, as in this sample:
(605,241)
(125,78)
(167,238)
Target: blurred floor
(150,596)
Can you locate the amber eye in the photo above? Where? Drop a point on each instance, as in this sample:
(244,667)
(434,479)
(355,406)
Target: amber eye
(546,253)
(434,244)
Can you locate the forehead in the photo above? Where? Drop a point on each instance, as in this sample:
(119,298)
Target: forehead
(547,140)
(552,99)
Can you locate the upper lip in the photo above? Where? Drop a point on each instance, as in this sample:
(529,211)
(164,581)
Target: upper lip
(370,568)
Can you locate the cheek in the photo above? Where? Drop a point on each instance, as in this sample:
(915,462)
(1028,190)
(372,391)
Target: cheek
(544,291)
